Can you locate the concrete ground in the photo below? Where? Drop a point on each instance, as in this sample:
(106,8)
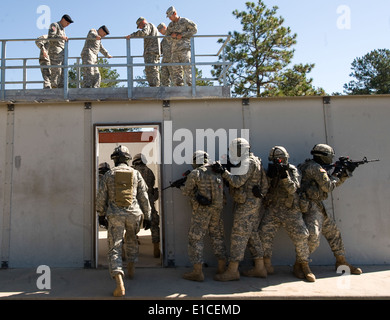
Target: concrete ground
(167,284)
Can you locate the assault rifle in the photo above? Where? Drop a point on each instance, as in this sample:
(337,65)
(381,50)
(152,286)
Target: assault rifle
(346,165)
(179,182)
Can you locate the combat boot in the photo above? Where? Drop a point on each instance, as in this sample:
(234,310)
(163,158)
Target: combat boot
(258,271)
(120,287)
(297,270)
(268,266)
(221,266)
(196,274)
(340,260)
(307,272)
(230,274)
(130,270)
(156,250)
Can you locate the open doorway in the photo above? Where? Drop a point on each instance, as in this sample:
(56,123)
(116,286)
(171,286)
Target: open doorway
(139,139)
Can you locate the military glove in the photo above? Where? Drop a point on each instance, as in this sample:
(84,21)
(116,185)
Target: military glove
(217,167)
(147,224)
(103,222)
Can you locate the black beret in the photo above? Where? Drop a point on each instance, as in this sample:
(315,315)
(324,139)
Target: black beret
(105,29)
(67,18)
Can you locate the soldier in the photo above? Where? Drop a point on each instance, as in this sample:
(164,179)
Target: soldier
(282,203)
(56,49)
(139,163)
(89,55)
(205,189)
(151,49)
(166,52)
(44,60)
(247,187)
(125,195)
(181,30)
(316,185)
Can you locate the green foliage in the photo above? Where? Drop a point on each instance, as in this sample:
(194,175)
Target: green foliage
(260,54)
(371,73)
(294,82)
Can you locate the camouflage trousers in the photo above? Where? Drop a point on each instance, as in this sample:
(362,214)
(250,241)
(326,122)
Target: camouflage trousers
(166,73)
(246,219)
(56,74)
(280,216)
(318,222)
(152,72)
(177,71)
(205,219)
(45,73)
(117,225)
(91,75)
(155,225)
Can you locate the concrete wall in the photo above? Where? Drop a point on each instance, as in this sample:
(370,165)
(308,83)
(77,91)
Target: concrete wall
(47,171)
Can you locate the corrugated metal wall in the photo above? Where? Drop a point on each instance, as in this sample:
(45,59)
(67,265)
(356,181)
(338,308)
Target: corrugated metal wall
(47,171)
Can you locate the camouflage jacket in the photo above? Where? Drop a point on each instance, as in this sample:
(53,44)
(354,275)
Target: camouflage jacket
(92,46)
(316,183)
(151,45)
(241,185)
(187,29)
(123,191)
(56,31)
(166,49)
(149,177)
(205,182)
(284,191)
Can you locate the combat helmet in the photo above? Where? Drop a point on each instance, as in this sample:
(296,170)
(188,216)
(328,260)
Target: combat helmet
(139,158)
(278,154)
(322,153)
(199,158)
(121,154)
(238,149)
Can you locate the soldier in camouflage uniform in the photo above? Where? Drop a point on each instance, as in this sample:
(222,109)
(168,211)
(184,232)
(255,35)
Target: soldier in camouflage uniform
(56,49)
(316,184)
(180,30)
(248,185)
(283,209)
(205,189)
(166,52)
(139,163)
(89,55)
(44,60)
(151,49)
(123,199)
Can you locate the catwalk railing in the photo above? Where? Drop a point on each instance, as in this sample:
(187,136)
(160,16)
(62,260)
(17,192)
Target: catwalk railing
(129,64)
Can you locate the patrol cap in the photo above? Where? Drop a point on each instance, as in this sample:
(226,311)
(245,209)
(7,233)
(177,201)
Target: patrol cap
(105,29)
(139,20)
(170,11)
(161,25)
(67,18)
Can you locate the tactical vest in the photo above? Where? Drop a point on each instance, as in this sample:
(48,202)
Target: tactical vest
(123,181)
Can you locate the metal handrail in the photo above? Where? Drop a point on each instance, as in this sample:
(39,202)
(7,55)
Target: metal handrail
(130,65)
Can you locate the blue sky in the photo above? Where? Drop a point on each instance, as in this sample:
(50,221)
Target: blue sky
(331,33)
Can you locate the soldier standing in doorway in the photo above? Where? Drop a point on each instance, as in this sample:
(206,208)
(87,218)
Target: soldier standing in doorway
(123,198)
(139,163)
